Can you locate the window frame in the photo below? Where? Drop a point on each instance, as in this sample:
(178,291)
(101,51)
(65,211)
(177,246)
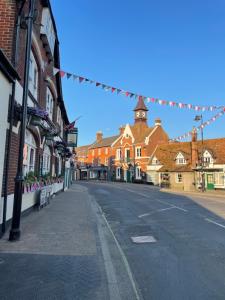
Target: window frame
(179,178)
(138,152)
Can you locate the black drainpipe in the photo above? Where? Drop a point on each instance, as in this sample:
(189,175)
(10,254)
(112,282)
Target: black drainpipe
(11,119)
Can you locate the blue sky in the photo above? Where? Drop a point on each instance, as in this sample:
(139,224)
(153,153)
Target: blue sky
(172,50)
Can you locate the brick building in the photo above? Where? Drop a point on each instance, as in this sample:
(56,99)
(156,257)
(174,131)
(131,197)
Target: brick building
(44,150)
(188,165)
(123,157)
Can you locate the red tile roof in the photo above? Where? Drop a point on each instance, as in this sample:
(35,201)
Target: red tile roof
(166,154)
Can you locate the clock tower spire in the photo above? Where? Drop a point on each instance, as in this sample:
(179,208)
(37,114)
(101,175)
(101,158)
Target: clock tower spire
(140,111)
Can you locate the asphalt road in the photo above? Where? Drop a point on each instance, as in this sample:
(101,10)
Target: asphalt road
(187,258)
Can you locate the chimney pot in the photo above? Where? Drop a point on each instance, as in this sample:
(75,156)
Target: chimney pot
(158,122)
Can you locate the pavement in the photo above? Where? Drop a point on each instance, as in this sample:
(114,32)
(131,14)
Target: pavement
(63,253)
(205,194)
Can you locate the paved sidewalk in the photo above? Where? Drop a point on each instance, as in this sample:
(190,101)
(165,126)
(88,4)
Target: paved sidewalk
(59,254)
(206,194)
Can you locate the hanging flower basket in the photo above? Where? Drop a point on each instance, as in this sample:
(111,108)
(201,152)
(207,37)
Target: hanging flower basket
(36,116)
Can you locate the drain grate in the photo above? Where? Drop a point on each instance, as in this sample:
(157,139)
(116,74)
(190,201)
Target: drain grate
(143,239)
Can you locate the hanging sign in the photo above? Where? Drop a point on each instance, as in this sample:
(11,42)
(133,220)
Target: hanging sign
(72,137)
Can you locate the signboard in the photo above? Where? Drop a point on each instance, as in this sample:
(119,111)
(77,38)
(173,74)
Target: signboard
(72,137)
(45,194)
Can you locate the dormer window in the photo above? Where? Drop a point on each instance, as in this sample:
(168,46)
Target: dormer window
(155,161)
(180,160)
(207,157)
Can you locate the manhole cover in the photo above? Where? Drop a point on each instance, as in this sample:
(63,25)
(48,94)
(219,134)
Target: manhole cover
(143,239)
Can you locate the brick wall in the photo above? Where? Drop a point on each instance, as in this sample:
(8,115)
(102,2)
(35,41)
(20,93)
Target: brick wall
(7,24)
(13,158)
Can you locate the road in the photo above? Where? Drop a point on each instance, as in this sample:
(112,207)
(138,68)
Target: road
(186,256)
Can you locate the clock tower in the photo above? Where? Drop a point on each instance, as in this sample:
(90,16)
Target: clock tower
(140,111)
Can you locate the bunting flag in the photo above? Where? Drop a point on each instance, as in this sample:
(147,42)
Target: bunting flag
(129,94)
(200,127)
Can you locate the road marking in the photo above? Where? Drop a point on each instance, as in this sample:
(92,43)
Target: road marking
(143,239)
(144,215)
(167,208)
(158,210)
(171,205)
(211,221)
(180,208)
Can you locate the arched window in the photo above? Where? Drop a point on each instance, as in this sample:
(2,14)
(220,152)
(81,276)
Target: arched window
(33,76)
(49,103)
(46,165)
(29,153)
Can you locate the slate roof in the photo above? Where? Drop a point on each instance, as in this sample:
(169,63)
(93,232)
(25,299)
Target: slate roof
(166,154)
(105,142)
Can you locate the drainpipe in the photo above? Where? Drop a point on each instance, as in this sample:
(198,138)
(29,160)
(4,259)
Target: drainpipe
(11,119)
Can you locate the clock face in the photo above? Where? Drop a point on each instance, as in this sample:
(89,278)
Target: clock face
(140,114)
(143,114)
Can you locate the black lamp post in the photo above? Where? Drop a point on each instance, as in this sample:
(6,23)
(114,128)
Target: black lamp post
(15,228)
(200,118)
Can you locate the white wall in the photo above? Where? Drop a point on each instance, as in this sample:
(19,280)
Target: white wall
(6,89)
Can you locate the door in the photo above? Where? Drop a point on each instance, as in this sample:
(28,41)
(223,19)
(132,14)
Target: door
(210,182)
(128,176)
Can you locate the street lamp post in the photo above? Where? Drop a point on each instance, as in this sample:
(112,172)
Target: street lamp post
(15,227)
(200,118)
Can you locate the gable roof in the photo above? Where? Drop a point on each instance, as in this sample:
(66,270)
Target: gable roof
(105,142)
(140,132)
(166,154)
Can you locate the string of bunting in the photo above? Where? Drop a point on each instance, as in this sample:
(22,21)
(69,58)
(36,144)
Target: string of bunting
(129,94)
(213,119)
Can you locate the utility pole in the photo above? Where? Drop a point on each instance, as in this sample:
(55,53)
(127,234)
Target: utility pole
(198,118)
(18,190)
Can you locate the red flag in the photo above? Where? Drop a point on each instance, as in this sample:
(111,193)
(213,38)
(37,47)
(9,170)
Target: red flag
(81,79)
(127,94)
(113,89)
(62,73)
(153,100)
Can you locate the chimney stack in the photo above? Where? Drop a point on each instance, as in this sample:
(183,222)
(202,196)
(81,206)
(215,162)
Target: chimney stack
(121,129)
(158,122)
(99,136)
